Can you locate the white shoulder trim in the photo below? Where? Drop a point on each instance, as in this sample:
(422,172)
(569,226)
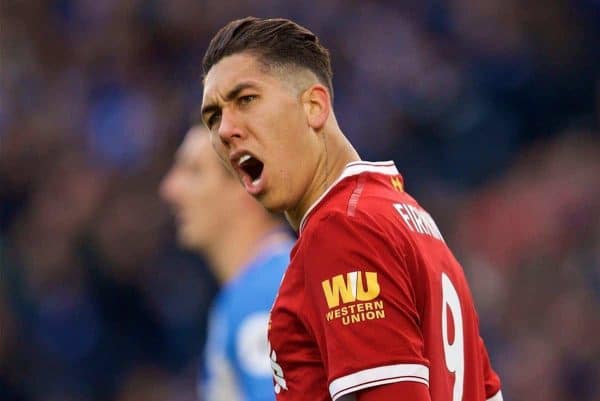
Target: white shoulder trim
(387,167)
(378,376)
(497,397)
(354,168)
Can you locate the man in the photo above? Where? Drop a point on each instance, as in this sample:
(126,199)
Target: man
(373,305)
(248,251)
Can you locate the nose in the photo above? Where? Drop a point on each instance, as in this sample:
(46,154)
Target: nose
(228,128)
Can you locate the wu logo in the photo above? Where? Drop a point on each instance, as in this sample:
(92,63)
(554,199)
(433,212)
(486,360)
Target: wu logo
(351,287)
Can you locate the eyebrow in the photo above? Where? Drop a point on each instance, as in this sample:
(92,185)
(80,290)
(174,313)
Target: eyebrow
(233,93)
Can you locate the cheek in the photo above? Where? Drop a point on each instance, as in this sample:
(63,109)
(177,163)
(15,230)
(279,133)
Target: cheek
(221,153)
(218,148)
(279,117)
(291,180)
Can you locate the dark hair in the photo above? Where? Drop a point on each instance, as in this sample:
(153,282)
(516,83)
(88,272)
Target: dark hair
(277,42)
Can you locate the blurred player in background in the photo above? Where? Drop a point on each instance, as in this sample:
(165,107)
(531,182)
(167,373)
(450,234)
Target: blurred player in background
(248,251)
(373,306)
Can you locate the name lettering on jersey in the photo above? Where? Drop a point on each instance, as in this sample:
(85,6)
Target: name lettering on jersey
(357,292)
(418,220)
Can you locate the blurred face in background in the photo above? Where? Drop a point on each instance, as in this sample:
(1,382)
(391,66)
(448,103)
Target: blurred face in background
(199,190)
(258,120)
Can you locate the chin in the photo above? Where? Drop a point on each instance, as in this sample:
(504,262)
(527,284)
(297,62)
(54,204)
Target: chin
(269,203)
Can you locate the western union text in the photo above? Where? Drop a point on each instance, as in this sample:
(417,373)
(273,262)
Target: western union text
(356,313)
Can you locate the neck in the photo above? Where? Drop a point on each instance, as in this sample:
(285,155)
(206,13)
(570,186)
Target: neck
(238,245)
(336,153)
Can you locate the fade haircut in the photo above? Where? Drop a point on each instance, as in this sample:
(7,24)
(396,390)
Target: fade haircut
(276,42)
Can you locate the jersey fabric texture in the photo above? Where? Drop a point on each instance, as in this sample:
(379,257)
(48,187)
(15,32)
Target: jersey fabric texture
(236,363)
(374,296)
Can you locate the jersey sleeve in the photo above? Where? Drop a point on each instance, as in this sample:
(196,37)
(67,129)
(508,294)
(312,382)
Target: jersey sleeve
(490,377)
(361,306)
(408,391)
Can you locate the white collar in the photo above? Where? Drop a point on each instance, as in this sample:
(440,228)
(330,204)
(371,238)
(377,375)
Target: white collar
(354,168)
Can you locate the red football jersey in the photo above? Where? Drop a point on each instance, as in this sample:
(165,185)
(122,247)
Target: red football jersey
(373,296)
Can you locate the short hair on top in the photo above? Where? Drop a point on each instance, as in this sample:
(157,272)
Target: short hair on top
(277,42)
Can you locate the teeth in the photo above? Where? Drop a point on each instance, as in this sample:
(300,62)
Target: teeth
(243,159)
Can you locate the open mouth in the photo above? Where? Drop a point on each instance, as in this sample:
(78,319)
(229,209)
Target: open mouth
(252,167)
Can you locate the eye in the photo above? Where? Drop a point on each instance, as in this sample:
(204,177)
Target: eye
(213,119)
(244,100)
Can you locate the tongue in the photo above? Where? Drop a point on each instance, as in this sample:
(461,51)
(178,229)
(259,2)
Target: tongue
(253,187)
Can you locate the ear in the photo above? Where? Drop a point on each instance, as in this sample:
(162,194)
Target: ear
(317,105)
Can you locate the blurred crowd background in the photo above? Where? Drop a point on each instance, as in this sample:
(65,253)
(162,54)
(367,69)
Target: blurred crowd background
(490,109)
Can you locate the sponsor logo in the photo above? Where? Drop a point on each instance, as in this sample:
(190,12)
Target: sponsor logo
(356,292)
(351,287)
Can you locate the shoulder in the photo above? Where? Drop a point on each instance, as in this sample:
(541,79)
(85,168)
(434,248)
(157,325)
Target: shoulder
(336,238)
(373,234)
(364,199)
(263,275)
(255,288)
(372,218)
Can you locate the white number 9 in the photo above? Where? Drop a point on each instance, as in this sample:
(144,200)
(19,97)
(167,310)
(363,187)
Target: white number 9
(454,353)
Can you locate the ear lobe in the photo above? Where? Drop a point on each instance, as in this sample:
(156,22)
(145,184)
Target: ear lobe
(317,106)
